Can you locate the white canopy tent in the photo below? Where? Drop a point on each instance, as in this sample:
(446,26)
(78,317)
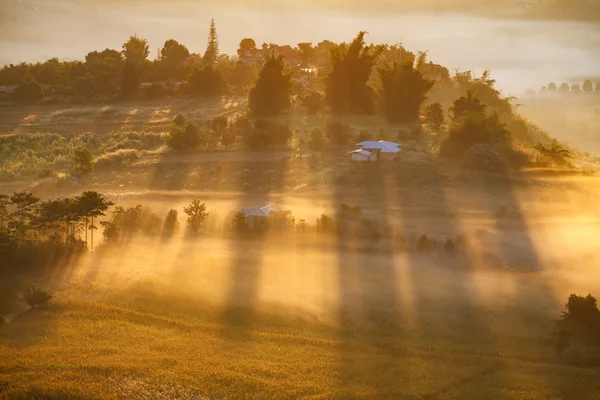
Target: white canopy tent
(382,146)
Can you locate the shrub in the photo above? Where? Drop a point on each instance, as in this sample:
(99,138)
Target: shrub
(184,140)
(205,82)
(180,120)
(155,90)
(470,129)
(35,297)
(434,113)
(268,135)
(117,158)
(483,157)
(578,327)
(313,103)
(28,92)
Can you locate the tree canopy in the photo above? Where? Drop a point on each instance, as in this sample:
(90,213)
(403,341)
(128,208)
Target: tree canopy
(271,92)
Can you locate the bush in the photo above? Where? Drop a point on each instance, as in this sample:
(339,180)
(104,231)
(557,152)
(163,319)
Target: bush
(205,82)
(268,135)
(117,158)
(483,157)
(313,103)
(36,297)
(28,92)
(180,120)
(184,140)
(434,113)
(470,129)
(579,328)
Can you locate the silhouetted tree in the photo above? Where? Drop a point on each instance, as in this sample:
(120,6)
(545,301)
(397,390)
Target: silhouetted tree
(197,214)
(173,56)
(470,129)
(313,102)
(212,48)
(28,91)
(552,87)
(92,205)
(84,161)
(246,45)
(183,139)
(576,89)
(346,85)
(131,81)
(466,104)
(307,51)
(105,84)
(588,87)
(598,87)
(205,82)
(135,50)
(558,154)
(271,92)
(435,115)
(24,202)
(564,88)
(339,135)
(403,89)
(171,225)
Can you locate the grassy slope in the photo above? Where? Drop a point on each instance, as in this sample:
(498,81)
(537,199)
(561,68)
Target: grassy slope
(87,350)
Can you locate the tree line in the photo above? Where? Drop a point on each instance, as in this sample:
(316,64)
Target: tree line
(586,87)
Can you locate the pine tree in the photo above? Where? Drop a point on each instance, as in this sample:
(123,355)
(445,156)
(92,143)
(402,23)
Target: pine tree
(212,48)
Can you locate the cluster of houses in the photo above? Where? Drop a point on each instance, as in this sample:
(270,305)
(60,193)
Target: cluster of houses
(371,150)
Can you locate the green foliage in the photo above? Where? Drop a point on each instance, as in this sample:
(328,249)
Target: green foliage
(171,225)
(564,88)
(246,45)
(470,129)
(212,47)
(466,104)
(579,327)
(28,92)
(197,214)
(555,153)
(271,92)
(84,161)
(85,86)
(187,139)
(403,90)
(205,82)
(434,114)
(267,135)
(180,120)
(35,297)
(136,50)
(313,102)
(347,90)
(131,81)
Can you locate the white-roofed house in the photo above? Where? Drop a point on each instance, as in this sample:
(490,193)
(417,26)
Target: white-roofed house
(382,149)
(363,155)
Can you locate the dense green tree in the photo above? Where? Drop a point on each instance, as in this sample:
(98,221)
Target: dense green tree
(131,81)
(92,205)
(28,91)
(205,82)
(136,50)
(403,89)
(271,92)
(246,44)
(197,214)
(84,161)
(307,52)
(212,47)
(588,86)
(85,86)
(435,115)
(347,90)
(173,57)
(466,104)
(473,127)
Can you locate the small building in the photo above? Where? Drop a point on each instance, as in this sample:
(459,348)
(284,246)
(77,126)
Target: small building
(253,57)
(363,155)
(258,212)
(382,149)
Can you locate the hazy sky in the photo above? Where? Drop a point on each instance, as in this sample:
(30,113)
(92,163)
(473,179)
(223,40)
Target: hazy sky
(519,53)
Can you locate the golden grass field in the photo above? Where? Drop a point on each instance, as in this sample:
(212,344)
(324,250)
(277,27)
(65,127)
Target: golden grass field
(217,318)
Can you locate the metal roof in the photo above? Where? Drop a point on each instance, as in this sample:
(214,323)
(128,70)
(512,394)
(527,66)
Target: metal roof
(381,145)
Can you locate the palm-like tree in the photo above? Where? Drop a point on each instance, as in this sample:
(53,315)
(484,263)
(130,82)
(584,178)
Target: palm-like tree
(558,154)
